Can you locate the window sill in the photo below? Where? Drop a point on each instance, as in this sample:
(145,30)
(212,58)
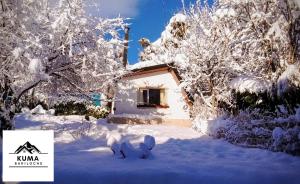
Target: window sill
(153,106)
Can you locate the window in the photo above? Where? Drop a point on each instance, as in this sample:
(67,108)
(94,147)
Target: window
(151,97)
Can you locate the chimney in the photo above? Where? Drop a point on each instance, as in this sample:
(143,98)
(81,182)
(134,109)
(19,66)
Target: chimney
(125,51)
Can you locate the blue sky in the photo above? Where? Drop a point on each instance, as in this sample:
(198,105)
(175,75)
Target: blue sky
(148,18)
(150,21)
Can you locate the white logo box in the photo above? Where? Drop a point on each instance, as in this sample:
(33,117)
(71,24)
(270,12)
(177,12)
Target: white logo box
(28,155)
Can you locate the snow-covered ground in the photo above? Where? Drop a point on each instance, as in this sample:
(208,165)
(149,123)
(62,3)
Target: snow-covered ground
(181,155)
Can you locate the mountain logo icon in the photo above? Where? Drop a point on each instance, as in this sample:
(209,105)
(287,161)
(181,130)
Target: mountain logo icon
(27,147)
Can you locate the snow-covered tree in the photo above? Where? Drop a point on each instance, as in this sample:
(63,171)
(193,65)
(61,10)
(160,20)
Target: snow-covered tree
(255,40)
(263,36)
(249,46)
(54,45)
(161,50)
(230,48)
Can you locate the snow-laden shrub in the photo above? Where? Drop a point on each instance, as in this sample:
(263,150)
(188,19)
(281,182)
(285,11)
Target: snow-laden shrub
(70,108)
(286,140)
(215,127)
(80,108)
(252,128)
(97,112)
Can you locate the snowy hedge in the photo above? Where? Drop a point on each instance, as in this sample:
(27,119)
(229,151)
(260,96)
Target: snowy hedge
(70,108)
(97,112)
(276,132)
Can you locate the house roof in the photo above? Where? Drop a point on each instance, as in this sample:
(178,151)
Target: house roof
(148,63)
(135,71)
(152,67)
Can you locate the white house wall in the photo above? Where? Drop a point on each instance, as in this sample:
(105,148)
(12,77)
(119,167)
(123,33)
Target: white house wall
(126,96)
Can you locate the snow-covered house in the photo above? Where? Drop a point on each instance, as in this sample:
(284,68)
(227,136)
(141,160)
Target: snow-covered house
(151,94)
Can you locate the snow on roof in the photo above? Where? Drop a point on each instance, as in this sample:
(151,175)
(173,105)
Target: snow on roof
(250,84)
(144,64)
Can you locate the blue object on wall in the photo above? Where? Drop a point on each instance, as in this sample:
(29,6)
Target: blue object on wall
(96,97)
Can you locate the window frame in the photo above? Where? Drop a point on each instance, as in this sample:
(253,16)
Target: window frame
(148,105)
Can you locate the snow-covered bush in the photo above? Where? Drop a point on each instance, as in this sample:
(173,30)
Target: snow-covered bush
(79,107)
(275,131)
(70,108)
(212,127)
(97,112)
(69,104)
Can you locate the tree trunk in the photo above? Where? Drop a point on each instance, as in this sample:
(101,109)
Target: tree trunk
(7,106)
(9,101)
(6,119)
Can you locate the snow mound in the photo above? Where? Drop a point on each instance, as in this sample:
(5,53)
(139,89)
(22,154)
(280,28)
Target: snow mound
(144,151)
(115,147)
(39,110)
(149,142)
(128,151)
(125,149)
